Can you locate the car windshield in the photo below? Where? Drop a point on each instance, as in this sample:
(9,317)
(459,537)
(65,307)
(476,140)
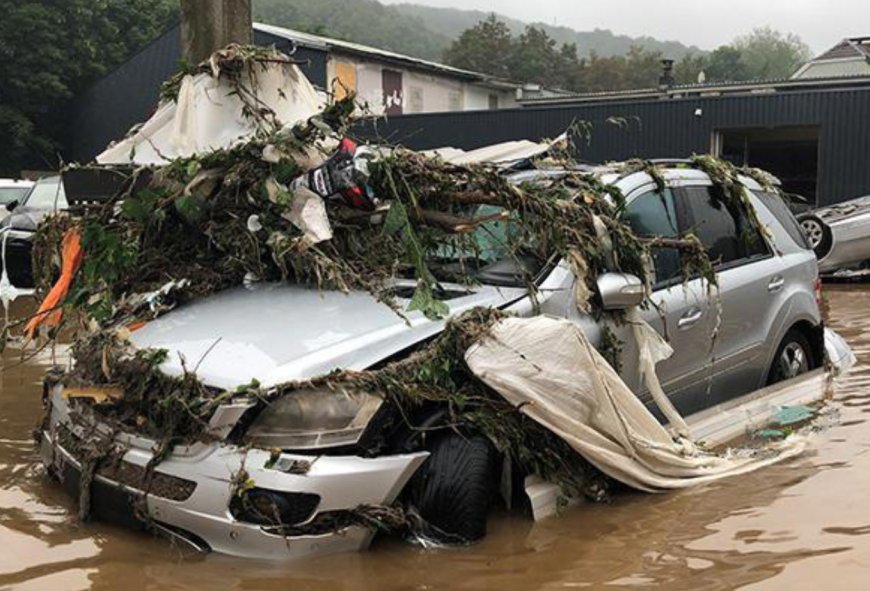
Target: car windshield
(47,194)
(10,194)
(487,253)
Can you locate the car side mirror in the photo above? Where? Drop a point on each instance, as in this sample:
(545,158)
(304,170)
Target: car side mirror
(12,205)
(620,291)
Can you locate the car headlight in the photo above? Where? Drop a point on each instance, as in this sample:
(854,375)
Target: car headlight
(314,419)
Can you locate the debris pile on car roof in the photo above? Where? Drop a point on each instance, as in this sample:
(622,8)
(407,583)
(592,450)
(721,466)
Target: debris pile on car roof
(201,222)
(296,200)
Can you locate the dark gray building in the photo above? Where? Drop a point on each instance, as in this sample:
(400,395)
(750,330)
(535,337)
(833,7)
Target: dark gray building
(813,134)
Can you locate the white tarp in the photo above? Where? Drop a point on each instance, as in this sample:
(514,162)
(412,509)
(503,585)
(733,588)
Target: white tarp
(548,368)
(503,153)
(208,116)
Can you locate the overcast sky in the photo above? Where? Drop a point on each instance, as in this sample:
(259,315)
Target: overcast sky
(705,23)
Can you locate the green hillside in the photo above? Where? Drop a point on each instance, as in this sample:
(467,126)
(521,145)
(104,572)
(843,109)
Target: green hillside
(426,32)
(450,23)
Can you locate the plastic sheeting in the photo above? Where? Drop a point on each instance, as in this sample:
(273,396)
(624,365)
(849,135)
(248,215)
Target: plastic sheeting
(548,369)
(208,116)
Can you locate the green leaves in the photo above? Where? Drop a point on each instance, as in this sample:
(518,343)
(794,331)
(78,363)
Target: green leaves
(397,222)
(425,302)
(108,259)
(141,208)
(50,50)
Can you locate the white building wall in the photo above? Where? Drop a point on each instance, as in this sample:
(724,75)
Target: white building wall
(422,92)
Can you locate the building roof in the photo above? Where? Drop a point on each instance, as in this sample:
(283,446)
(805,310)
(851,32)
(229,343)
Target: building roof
(848,48)
(703,90)
(850,57)
(340,46)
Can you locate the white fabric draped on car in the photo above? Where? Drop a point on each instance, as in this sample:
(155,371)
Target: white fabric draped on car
(548,369)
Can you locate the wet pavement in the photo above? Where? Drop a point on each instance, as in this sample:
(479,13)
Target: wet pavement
(803,524)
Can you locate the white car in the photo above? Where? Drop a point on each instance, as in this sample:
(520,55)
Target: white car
(839,234)
(11,193)
(310,453)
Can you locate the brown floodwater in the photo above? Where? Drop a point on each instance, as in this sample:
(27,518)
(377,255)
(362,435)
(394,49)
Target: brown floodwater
(803,524)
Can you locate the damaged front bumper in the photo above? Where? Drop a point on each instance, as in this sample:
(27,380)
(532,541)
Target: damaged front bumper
(191,491)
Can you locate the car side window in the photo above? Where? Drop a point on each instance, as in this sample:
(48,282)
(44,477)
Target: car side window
(727,238)
(655,214)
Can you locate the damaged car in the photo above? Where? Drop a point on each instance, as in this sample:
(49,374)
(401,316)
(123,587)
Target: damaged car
(43,198)
(839,234)
(307,460)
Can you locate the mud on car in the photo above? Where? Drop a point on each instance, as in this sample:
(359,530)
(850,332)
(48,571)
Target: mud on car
(311,458)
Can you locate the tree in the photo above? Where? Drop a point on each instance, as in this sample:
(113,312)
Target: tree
(536,58)
(725,64)
(51,49)
(603,73)
(769,54)
(487,47)
(688,69)
(643,68)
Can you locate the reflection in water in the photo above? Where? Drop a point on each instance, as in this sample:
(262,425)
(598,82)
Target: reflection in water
(798,525)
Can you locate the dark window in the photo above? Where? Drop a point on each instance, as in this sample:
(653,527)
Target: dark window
(727,236)
(392,87)
(493,102)
(779,208)
(654,214)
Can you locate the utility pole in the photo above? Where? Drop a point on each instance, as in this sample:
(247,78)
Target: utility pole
(209,25)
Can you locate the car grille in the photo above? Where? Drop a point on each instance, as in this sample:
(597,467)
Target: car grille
(128,474)
(274,508)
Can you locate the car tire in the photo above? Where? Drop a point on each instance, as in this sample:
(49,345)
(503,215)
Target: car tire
(818,235)
(454,487)
(793,357)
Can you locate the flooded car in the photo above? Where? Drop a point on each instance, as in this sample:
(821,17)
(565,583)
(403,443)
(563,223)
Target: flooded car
(16,230)
(839,234)
(309,454)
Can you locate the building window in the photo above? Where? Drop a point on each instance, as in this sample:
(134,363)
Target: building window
(391,83)
(493,102)
(415,99)
(454,101)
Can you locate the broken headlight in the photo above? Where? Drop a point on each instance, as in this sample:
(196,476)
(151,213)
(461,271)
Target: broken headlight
(314,419)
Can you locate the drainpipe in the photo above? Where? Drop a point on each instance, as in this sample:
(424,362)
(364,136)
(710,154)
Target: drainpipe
(210,25)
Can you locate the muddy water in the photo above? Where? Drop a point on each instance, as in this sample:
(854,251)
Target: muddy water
(800,525)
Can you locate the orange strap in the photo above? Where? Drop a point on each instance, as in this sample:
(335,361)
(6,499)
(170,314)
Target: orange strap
(49,312)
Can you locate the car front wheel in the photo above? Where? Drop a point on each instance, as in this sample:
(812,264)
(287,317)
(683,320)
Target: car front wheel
(818,234)
(793,358)
(453,489)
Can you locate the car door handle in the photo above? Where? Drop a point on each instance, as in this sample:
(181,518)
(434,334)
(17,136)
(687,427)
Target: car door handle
(776,284)
(690,319)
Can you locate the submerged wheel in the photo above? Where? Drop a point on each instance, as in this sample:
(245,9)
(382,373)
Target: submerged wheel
(793,358)
(453,489)
(818,234)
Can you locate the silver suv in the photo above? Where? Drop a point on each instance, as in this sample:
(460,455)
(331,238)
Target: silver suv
(765,311)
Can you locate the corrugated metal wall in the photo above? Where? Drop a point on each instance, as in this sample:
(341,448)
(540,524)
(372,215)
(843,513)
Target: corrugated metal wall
(129,94)
(666,129)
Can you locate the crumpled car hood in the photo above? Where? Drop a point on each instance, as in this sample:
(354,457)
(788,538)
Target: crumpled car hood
(276,333)
(847,209)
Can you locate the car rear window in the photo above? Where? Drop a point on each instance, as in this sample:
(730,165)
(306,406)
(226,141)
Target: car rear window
(778,207)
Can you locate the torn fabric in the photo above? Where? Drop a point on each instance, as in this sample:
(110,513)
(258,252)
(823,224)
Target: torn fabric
(210,115)
(548,369)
